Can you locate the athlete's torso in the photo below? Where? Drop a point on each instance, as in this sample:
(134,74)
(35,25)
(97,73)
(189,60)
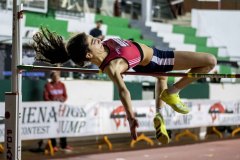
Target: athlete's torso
(125,49)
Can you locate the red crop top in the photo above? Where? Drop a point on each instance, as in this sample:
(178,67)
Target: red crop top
(118,48)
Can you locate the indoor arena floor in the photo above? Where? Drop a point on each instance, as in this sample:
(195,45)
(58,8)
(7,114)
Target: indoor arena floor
(186,149)
(217,150)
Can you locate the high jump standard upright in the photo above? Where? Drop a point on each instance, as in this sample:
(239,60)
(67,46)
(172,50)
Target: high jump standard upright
(13,99)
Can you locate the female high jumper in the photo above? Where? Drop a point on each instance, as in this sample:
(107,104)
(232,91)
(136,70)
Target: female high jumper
(115,56)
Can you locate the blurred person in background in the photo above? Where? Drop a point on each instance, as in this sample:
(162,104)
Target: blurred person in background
(116,9)
(55,90)
(123,8)
(96,32)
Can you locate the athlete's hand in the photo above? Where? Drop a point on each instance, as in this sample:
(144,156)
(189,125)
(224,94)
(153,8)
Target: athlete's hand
(133,123)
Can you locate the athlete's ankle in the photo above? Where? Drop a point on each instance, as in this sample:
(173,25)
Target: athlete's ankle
(158,110)
(173,90)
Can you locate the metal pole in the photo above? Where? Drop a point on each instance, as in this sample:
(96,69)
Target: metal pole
(146,11)
(15,47)
(13,99)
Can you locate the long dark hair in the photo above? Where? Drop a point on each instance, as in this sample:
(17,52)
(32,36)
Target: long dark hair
(51,48)
(77,47)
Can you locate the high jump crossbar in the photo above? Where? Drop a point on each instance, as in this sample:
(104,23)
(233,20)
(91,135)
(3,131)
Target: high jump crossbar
(155,74)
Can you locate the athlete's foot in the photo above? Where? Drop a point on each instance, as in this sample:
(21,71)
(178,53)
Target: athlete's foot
(161,132)
(175,102)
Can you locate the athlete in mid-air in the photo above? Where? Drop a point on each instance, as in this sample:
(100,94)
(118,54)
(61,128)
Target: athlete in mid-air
(116,56)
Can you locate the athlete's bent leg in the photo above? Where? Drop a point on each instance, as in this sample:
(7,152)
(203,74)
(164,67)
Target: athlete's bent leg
(159,125)
(160,86)
(195,63)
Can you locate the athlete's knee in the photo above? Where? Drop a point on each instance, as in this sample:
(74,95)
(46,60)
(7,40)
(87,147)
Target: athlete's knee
(162,78)
(211,61)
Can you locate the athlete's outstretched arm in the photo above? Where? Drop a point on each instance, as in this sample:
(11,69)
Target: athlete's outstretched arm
(114,72)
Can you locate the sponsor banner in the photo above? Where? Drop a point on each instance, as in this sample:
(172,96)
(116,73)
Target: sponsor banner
(204,113)
(114,118)
(42,120)
(53,119)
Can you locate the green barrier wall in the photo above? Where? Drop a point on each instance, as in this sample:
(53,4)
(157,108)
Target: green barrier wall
(134,88)
(196,91)
(32,89)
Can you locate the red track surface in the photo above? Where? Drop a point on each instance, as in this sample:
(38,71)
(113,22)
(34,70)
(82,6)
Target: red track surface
(218,150)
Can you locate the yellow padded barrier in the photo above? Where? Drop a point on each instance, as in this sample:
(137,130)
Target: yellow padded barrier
(235,131)
(142,137)
(107,142)
(217,132)
(49,149)
(186,133)
(1,148)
